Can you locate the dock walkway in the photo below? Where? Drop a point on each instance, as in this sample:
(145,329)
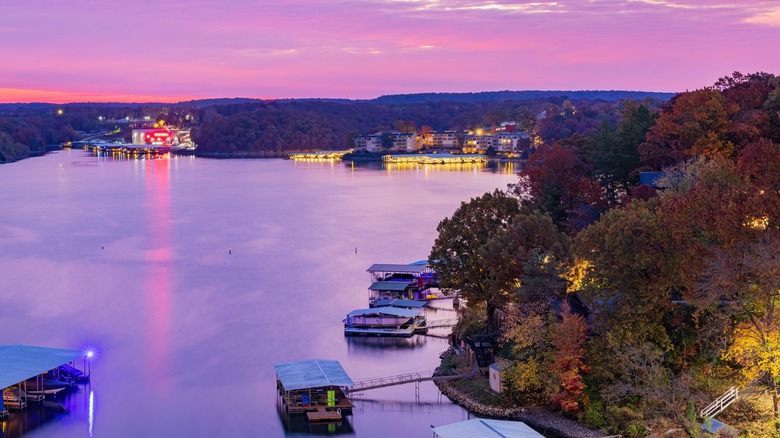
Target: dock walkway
(402,379)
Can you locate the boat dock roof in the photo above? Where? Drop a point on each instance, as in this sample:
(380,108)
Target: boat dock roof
(397,302)
(314,373)
(389,286)
(485,428)
(404,269)
(21,362)
(391,311)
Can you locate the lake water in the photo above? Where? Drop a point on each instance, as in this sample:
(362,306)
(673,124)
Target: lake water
(191,277)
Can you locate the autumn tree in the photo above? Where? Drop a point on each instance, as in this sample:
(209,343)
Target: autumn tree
(556,180)
(692,123)
(568,365)
(743,282)
(527,343)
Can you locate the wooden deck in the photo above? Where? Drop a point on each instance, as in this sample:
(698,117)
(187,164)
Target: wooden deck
(318,409)
(322,414)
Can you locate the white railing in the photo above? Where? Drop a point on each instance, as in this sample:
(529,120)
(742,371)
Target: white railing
(720,403)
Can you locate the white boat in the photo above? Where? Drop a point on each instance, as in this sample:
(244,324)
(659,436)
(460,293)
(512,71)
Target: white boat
(14,398)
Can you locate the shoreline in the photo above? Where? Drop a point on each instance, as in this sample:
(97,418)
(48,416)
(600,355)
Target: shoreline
(538,417)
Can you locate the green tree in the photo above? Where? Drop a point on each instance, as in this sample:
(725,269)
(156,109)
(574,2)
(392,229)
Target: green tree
(614,152)
(633,259)
(461,256)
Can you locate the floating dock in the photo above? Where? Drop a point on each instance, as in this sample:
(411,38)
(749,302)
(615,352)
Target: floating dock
(22,368)
(436,158)
(318,155)
(315,388)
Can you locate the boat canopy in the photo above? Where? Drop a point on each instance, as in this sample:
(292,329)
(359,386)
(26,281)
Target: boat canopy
(486,428)
(389,286)
(314,373)
(396,302)
(21,362)
(390,311)
(401,269)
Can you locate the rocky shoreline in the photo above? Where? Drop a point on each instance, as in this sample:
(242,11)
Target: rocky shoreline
(537,417)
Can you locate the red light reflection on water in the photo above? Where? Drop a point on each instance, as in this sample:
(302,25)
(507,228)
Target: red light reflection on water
(158,290)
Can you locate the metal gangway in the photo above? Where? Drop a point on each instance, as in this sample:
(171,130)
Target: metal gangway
(441,323)
(402,379)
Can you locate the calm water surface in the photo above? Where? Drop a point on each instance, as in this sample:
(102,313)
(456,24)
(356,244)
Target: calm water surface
(191,277)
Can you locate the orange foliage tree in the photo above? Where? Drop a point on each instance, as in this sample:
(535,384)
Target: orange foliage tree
(568,366)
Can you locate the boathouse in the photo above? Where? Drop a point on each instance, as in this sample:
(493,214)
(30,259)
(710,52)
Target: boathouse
(314,387)
(410,281)
(383,321)
(20,363)
(485,428)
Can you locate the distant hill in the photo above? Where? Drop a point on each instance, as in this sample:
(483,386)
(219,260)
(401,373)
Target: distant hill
(486,96)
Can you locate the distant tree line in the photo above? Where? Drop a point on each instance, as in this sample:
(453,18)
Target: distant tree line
(276,127)
(285,126)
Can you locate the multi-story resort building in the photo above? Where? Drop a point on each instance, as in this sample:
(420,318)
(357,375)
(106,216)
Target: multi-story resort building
(505,139)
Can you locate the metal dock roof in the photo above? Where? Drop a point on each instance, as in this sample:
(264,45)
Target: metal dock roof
(405,269)
(21,362)
(397,302)
(486,428)
(314,373)
(392,311)
(393,286)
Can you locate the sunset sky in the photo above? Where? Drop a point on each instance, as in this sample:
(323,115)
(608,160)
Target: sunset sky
(174,50)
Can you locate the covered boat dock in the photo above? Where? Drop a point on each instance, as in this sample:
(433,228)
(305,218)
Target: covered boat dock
(383,321)
(485,428)
(314,387)
(20,363)
(410,281)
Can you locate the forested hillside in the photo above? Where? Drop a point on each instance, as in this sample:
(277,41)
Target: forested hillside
(276,127)
(632,306)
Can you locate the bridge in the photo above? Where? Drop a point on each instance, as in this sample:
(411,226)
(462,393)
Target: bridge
(403,379)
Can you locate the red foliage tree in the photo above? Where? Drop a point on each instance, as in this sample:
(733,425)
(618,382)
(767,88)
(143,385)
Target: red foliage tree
(556,179)
(568,338)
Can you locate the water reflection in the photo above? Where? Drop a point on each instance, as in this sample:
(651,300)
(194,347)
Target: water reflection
(159,255)
(60,408)
(494,166)
(297,424)
(181,323)
(367,405)
(360,343)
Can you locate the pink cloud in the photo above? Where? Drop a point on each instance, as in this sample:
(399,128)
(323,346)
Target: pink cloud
(313,48)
